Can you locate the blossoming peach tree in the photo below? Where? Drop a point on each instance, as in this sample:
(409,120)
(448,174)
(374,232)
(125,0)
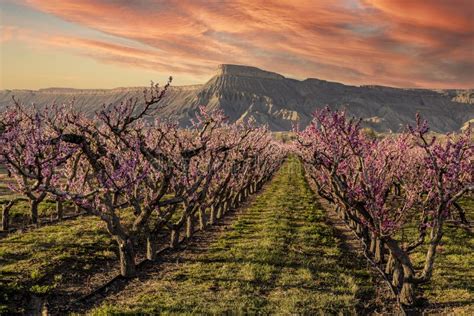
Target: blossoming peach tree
(379,185)
(137,173)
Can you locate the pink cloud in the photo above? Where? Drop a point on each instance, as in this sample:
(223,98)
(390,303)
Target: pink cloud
(393,42)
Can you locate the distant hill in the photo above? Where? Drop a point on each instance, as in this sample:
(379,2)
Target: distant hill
(245,93)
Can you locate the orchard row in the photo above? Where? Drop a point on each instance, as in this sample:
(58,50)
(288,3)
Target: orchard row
(138,174)
(382,186)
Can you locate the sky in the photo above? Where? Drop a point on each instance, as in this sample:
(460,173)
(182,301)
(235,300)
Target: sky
(119,43)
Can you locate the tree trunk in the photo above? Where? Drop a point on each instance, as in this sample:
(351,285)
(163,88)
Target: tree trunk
(373,242)
(189,226)
(365,234)
(407,294)
(461,213)
(219,211)
(34,211)
(174,237)
(127,258)
(151,248)
(212,215)
(235,201)
(359,230)
(397,277)
(5,217)
(436,235)
(379,251)
(390,264)
(429,262)
(202,219)
(225,207)
(77,209)
(352,224)
(59,210)
(340,212)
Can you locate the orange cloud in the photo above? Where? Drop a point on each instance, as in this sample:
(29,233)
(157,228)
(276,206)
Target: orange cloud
(7,33)
(453,15)
(393,42)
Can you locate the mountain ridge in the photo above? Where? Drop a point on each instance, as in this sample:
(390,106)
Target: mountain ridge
(249,93)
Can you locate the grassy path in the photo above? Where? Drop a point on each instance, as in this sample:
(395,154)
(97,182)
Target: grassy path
(279,256)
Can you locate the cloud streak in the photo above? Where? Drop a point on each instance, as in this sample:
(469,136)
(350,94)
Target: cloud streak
(391,42)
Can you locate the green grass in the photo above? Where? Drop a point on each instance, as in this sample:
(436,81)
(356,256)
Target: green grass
(278,257)
(451,289)
(40,261)
(35,262)
(452,285)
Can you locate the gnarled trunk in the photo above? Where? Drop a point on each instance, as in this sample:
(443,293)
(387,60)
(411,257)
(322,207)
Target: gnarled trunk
(34,211)
(174,240)
(127,257)
(407,293)
(397,277)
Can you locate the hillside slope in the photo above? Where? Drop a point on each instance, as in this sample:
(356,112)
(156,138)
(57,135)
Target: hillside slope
(245,93)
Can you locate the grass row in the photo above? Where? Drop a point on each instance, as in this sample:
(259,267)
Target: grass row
(278,257)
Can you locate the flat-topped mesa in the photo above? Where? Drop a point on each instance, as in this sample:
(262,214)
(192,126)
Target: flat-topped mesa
(247,71)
